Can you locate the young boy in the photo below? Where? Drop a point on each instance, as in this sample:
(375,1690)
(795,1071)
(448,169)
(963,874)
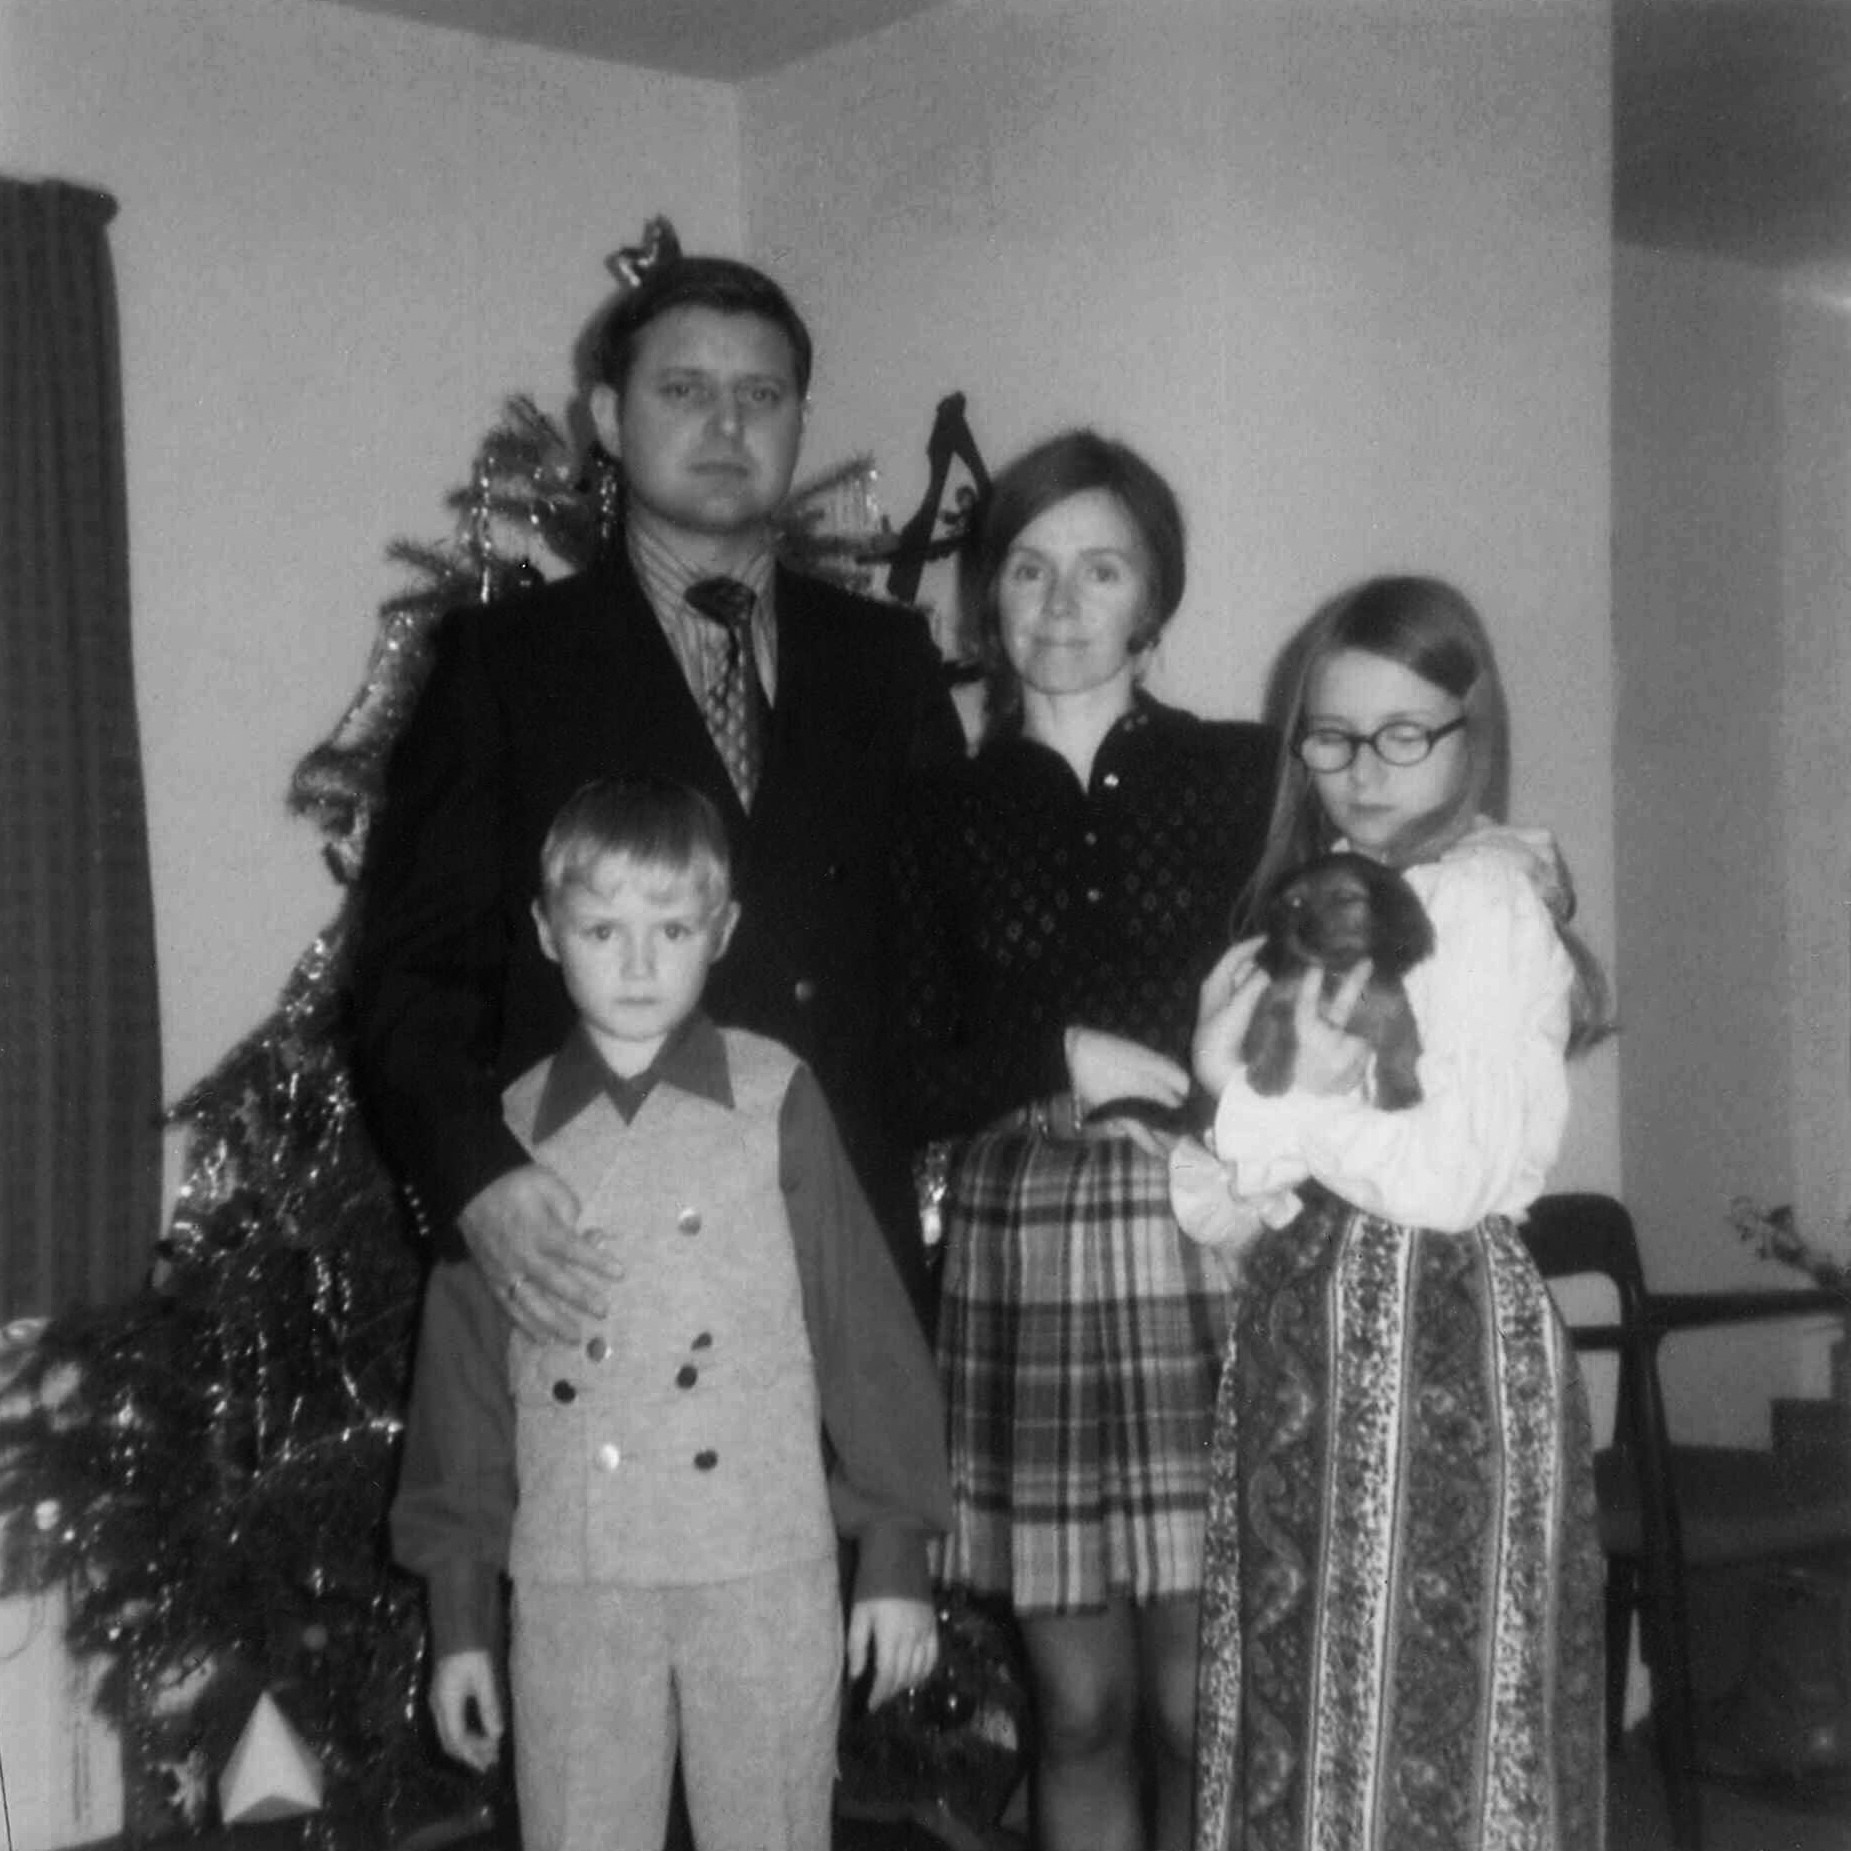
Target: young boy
(658,1493)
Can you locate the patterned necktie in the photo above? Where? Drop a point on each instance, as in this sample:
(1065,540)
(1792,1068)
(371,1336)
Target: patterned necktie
(735,703)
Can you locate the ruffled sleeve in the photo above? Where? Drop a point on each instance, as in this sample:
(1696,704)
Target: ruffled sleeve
(1492,1005)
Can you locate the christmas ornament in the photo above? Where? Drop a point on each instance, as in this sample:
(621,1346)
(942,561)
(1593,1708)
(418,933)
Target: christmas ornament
(635,261)
(271,1773)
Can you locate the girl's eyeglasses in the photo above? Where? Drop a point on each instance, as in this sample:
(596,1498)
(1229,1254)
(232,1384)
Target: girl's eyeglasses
(1400,742)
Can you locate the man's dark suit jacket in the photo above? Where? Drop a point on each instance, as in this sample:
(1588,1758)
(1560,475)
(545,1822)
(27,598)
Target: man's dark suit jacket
(532,697)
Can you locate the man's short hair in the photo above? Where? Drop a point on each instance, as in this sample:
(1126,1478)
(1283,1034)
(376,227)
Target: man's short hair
(654,822)
(720,283)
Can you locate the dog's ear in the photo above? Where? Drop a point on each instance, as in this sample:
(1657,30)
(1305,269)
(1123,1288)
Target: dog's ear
(1276,920)
(1403,932)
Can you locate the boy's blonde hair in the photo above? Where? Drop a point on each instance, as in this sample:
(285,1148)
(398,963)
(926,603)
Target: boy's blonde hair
(654,822)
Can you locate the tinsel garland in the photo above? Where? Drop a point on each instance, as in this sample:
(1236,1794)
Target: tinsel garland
(206,1467)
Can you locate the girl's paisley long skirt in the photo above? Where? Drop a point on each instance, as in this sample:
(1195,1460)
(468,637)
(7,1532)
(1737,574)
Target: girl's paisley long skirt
(1401,1610)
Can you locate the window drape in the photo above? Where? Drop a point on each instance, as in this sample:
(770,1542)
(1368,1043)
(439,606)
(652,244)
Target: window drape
(80,1087)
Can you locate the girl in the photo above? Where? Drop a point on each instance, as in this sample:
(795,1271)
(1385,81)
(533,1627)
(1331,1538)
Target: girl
(1401,1643)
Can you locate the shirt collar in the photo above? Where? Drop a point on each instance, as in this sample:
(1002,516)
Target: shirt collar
(692,1059)
(1134,720)
(666,575)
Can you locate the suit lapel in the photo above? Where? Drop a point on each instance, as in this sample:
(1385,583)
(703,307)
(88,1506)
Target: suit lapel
(647,698)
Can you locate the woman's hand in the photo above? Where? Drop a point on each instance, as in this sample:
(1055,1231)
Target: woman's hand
(1102,1067)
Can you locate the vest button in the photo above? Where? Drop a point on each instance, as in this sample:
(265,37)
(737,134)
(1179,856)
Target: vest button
(686,1376)
(564,1392)
(804,989)
(689,1221)
(597,1349)
(703,1342)
(706,1459)
(610,1456)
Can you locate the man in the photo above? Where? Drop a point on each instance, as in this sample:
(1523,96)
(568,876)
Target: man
(795,706)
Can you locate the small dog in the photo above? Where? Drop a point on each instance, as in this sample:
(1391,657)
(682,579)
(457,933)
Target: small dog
(1334,912)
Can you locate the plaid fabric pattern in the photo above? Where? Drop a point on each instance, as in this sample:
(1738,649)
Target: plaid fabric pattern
(1080,1339)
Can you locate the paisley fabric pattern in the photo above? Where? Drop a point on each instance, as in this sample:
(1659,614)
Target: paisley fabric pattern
(1401,1645)
(1080,1336)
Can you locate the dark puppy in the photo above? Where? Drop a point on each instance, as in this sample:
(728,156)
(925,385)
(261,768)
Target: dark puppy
(1334,912)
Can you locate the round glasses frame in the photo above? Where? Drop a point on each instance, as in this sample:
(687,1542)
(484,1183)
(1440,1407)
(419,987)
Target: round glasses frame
(1398,742)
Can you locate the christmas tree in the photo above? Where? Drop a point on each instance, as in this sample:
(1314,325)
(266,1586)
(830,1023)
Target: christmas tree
(205,1469)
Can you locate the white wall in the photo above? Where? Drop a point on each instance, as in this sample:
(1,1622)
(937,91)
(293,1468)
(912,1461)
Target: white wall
(342,243)
(1342,271)
(1732,496)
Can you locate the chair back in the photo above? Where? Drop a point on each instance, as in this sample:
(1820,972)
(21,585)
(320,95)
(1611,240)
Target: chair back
(1584,1246)
(1587,1233)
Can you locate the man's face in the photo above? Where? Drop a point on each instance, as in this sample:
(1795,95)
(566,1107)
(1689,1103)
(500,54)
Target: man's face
(707,424)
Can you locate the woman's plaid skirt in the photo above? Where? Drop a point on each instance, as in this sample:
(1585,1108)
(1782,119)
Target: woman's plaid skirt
(1080,1340)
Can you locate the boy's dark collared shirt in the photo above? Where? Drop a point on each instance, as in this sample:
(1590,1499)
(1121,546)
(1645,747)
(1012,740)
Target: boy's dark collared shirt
(693,1058)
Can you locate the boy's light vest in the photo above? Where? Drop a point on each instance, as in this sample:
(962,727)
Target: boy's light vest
(682,1443)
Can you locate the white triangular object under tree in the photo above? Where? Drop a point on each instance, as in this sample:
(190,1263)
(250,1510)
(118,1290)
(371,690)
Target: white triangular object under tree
(271,1773)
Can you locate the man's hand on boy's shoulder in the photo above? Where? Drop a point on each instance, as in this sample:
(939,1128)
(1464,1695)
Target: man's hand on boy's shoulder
(522,1230)
(898,1636)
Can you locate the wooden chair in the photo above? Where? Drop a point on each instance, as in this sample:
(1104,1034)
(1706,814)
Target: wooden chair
(1667,1507)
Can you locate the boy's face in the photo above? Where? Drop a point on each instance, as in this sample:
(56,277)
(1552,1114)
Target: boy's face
(708,423)
(634,943)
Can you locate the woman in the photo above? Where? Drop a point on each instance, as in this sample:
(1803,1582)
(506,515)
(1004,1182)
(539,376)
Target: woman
(1061,897)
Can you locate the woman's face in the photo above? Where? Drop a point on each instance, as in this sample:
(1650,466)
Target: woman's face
(1073,598)
(1378,806)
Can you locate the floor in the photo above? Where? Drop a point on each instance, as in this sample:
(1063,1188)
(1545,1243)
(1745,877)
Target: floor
(1732,1821)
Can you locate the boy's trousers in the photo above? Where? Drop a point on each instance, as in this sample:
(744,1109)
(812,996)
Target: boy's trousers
(745,1676)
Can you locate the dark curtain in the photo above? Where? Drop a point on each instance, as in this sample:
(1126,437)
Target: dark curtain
(80,1086)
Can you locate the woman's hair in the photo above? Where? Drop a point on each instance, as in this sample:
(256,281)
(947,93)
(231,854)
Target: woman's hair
(1067,464)
(1432,629)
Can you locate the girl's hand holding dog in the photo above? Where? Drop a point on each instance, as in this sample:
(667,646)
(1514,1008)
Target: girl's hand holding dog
(1224,1006)
(1329,1060)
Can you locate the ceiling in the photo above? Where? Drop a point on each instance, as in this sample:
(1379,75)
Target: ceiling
(723,39)
(1732,118)
(1732,128)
